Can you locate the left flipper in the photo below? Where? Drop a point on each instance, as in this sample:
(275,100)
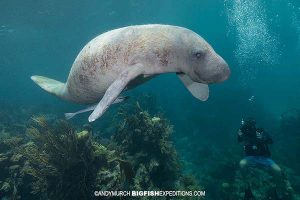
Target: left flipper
(92,107)
(198,90)
(115,89)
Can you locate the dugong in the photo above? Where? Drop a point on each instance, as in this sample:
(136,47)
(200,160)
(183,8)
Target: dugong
(123,58)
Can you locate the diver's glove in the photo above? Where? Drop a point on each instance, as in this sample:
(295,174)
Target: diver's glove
(240,133)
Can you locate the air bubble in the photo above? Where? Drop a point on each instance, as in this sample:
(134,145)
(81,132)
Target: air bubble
(255,44)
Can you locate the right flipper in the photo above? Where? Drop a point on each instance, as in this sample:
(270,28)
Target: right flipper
(198,90)
(90,108)
(115,89)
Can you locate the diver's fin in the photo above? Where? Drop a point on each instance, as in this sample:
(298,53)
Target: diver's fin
(71,115)
(198,90)
(115,89)
(52,86)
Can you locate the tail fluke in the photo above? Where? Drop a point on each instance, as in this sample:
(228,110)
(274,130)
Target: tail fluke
(52,86)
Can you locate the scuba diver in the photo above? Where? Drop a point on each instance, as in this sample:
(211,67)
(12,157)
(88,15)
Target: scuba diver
(256,142)
(257,153)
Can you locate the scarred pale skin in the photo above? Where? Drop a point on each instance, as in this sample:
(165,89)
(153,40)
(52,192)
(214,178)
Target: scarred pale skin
(126,57)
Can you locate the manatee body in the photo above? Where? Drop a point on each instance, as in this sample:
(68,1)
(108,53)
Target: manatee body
(126,57)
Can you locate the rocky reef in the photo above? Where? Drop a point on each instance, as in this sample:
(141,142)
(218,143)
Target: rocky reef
(44,157)
(53,160)
(145,140)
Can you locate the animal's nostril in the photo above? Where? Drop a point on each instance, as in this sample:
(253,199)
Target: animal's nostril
(227,70)
(226,73)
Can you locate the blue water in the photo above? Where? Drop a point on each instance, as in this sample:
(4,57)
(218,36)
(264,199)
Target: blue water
(259,39)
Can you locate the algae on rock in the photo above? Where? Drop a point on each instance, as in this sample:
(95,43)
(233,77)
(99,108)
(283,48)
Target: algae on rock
(145,140)
(64,164)
(53,161)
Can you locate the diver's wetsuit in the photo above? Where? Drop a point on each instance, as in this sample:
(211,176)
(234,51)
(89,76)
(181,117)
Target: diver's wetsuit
(256,149)
(256,142)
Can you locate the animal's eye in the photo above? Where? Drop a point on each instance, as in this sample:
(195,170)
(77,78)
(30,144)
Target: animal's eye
(198,54)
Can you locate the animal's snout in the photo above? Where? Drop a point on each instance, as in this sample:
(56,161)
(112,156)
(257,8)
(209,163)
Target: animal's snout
(216,71)
(225,72)
(221,71)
